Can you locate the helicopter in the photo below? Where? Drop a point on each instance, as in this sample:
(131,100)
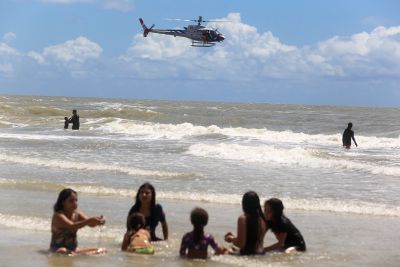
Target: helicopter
(200,35)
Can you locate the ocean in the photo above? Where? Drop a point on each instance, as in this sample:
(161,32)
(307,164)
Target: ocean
(345,202)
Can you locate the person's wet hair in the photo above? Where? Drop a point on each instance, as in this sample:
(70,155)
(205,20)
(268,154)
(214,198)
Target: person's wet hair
(138,203)
(62,196)
(252,208)
(349,125)
(199,219)
(276,207)
(136,221)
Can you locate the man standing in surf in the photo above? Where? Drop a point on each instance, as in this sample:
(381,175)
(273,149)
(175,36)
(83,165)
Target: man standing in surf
(74,120)
(348,134)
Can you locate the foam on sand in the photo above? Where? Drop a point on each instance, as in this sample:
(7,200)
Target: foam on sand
(311,204)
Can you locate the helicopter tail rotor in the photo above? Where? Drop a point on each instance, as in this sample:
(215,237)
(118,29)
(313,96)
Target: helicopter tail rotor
(145,29)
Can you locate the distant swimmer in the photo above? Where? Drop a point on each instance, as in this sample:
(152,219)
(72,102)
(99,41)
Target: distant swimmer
(74,120)
(348,134)
(66,122)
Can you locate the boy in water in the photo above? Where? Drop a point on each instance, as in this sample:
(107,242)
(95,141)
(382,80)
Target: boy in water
(66,122)
(348,134)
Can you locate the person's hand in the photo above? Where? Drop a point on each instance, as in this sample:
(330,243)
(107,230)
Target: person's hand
(229,237)
(221,250)
(101,219)
(95,221)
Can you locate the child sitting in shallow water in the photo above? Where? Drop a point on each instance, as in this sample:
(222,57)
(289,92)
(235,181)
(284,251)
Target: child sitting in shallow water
(66,222)
(194,244)
(288,236)
(66,122)
(137,238)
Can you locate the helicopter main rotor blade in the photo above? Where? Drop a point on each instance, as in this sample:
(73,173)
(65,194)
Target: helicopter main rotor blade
(181,19)
(216,21)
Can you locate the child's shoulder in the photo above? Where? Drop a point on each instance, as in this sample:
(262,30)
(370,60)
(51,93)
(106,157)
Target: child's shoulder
(208,236)
(158,206)
(188,234)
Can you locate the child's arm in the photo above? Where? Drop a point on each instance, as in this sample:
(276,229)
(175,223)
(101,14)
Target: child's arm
(221,250)
(63,221)
(281,237)
(125,242)
(218,250)
(165,229)
(184,247)
(94,221)
(240,240)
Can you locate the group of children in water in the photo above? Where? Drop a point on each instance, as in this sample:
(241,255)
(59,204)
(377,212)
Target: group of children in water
(146,214)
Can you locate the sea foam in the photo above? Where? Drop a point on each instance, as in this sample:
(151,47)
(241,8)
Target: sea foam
(51,163)
(184,130)
(298,156)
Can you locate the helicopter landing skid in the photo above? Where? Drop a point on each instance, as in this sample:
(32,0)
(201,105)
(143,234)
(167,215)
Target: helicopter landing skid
(202,44)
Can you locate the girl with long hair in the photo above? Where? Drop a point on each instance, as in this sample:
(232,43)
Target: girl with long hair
(152,211)
(251,227)
(66,221)
(288,236)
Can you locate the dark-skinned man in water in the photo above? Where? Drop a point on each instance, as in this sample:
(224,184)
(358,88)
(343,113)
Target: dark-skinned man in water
(348,134)
(74,120)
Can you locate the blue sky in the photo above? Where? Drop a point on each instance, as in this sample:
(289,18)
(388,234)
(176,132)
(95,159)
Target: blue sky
(308,52)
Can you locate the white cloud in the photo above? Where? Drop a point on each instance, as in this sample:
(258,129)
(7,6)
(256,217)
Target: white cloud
(364,54)
(9,37)
(6,50)
(75,57)
(75,51)
(36,56)
(246,38)
(380,41)
(159,47)
(8,56)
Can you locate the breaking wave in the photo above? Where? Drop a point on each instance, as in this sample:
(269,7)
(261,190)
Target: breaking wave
(303,157)
(91,166)
(182,130)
